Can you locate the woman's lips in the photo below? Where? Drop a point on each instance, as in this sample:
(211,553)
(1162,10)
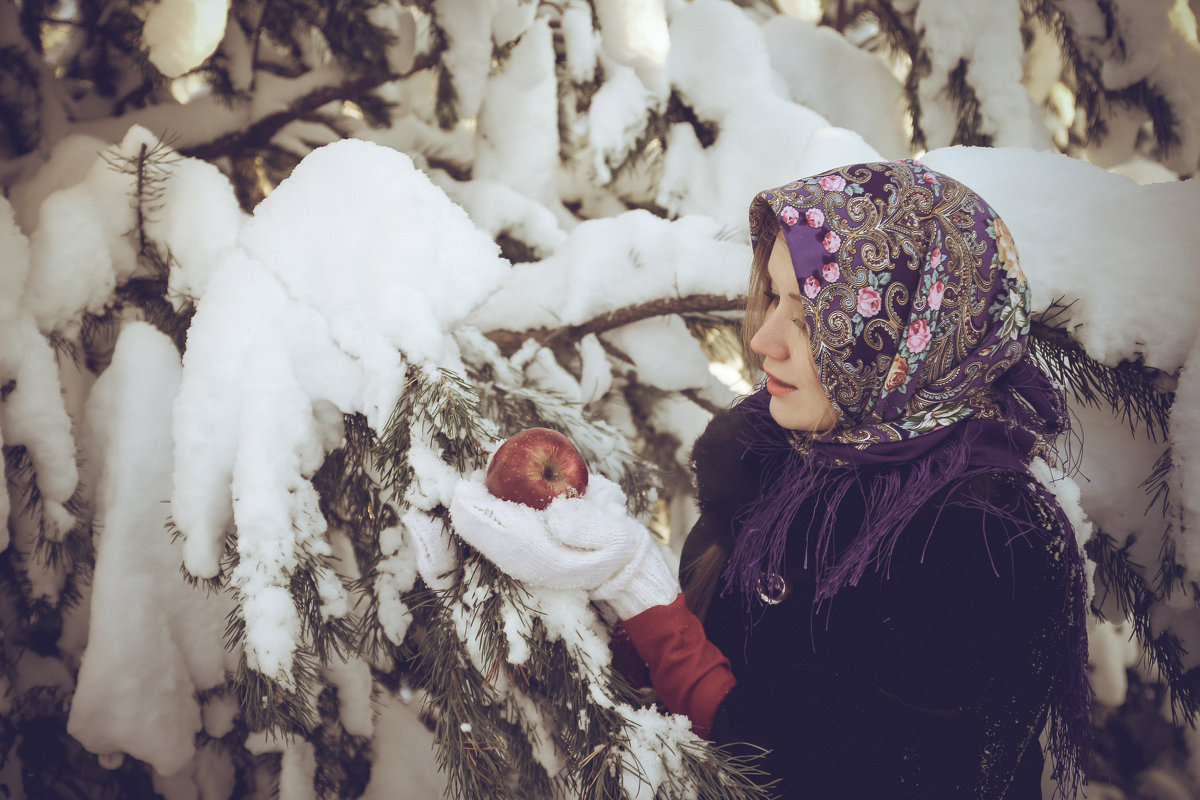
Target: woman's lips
(777,388)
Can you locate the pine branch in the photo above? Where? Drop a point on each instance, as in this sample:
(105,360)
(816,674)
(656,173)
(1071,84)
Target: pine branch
(1121,576)
(343,760)
(257,135)
(151,168)
(483,704)
(442,404)
(1084,57)
(1131,389)
(266,704)
(966,102)
(510,341)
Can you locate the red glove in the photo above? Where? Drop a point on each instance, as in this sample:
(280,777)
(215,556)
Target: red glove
(689,673)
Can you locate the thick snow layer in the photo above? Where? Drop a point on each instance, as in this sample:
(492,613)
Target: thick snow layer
(403,753)
(80,250)
(635,33)
(67,164)
(353,260)
(609,264)
(719,65)
(983,40)
(617,118)
(154,640)
(825,72)
(32,414)
(181,34)
(196,190)
(521,149)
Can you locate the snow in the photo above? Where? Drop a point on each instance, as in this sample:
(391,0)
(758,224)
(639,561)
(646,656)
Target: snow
(403,755)
(801,52)
(32,414)
(580,40)
(720,67)
(360,266)
(496,208)
(196,189)
(608,264)
(617,118)
(79,249)
(635,33)
(466,25)
(311,309)
(661,350)
(521,150)
(1185,451)
(986,39)
(154,640)
(180,34)
(66,165)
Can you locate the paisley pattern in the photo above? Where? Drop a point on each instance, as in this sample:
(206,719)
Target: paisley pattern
(913,290)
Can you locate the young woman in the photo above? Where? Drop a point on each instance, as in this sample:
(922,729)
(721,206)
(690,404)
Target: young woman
(878,591)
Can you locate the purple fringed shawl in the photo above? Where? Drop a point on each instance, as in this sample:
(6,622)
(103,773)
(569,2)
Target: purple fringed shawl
(918,309)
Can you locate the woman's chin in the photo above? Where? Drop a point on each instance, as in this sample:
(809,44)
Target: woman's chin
(780,413)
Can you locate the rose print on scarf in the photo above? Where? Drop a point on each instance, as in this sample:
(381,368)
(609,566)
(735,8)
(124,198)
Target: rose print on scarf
(789,216)
(936,258)
(832,242)
(919,335)
(815,217)
(936,292)
(811,287)
(869,301)
(830,271)
(898,375)
(833,183)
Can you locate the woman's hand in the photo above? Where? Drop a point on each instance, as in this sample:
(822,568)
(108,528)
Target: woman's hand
(589,543)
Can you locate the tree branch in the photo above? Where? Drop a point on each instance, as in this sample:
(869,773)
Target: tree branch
(510,341)
(259,133)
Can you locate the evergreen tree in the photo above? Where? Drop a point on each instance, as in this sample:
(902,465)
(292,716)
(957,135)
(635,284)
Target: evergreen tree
(534,117)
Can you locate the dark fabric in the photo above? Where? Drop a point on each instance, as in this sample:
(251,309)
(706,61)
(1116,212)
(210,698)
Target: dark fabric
(930,680)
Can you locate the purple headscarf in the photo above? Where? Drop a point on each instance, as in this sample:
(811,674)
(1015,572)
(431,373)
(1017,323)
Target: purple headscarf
(919,314)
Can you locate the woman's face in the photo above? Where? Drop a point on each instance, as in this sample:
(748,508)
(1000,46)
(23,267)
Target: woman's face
(798,401)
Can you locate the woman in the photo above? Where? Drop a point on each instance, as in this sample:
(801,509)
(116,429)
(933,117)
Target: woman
(891,603)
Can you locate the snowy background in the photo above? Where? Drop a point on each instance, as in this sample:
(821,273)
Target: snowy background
(586,243)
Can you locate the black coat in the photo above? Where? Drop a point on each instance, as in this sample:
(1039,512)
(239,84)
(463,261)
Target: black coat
(932,681)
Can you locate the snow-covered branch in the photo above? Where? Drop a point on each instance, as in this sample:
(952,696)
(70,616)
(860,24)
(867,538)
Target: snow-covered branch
(510,341)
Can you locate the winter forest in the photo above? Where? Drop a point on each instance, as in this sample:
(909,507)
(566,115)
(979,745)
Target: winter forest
(275,275)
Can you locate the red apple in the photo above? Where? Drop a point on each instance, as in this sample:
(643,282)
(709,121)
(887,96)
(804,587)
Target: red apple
(535,466)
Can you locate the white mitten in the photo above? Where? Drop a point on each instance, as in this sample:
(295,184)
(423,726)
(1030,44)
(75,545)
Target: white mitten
(587,542)
(437,557)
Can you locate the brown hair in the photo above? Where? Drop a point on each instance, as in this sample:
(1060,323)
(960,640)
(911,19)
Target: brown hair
(699,577)
(760,280)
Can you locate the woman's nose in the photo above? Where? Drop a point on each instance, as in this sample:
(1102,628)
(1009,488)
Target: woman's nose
(768,340)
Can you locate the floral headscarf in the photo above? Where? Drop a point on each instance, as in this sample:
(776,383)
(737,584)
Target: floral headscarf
(913,291)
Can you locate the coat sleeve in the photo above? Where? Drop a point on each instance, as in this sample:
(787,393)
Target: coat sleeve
(932,680)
